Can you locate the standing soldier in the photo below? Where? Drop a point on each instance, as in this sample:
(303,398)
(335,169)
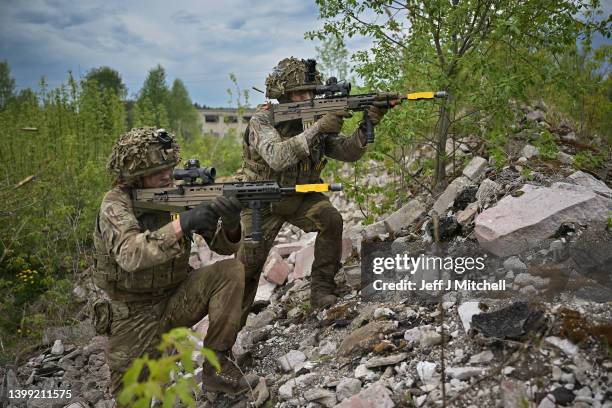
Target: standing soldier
(291,155)
(141,262)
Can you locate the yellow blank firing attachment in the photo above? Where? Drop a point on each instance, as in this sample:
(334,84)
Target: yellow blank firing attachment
(425,95)
(317,188)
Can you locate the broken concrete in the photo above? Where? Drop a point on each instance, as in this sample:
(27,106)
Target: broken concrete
(404,217)
(516,224)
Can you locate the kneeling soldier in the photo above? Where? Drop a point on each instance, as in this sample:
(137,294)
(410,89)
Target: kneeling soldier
(141,262)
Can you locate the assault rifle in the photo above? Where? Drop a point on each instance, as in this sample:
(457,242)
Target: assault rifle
(254,195)
(333,97)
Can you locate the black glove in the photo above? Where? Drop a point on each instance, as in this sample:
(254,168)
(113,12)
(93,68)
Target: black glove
(376,114)
(201,219)
(229,211)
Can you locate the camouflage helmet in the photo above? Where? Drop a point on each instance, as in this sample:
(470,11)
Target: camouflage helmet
(292,74)
(143,151)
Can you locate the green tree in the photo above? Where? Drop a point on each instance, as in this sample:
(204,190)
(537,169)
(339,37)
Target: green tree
(183,116)
(7,84)
(482,52)
(332,58)
(55,146)
(151,108)
(155,87)
(107,78)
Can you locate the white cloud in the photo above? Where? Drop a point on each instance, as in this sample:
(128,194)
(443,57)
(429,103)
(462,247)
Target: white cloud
(200,42)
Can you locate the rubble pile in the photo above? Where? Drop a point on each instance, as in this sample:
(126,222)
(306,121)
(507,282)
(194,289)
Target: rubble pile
(544,342)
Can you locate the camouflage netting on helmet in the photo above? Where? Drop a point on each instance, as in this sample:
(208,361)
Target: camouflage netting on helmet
(291,74)
(143,151)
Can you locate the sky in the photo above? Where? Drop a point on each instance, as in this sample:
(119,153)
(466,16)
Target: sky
(200,42)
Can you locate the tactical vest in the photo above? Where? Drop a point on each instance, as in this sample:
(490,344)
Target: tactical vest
(157,281)
(308,170)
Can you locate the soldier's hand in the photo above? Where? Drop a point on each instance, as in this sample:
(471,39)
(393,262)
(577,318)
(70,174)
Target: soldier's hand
(201,219)
(229,211)
(331,122)
(376,114)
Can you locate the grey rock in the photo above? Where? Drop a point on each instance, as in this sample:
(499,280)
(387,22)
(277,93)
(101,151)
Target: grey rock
(376,395)
(261,320)
(292,360)
(464,217)
(515,224)
(586,180)
(383,312)
(583,392)
(565,345)
(487,192)
(482,358)
(525,279)
(327,348)
(352,275)
(536,116)
(347,387)
(361,371)
(305,380)
(528,291)
(404,217)
(530,151)
(393,359)
(456,187)
(464,373)
(322,396)
(568,378)
(376,230)
(514,264)
(475,169)
(565,158)
(430,338)
(285,391)
(427,372)
(547,402)
(58,348)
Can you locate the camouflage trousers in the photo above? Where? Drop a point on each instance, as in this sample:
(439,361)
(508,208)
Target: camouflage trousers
(310,212)
(136,327)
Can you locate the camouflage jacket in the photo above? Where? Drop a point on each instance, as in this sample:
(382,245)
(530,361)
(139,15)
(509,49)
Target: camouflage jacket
(139,255)
(282,153)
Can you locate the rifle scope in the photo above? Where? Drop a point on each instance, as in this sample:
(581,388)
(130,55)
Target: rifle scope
(333,88)
(193,171)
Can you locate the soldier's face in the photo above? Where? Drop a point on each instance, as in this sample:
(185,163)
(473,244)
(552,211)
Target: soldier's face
(300,96)
(162,178)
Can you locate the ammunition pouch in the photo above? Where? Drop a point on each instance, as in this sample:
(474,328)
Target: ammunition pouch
(101,315)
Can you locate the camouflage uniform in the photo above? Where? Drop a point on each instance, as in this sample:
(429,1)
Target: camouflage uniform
(284,153)
(143,267)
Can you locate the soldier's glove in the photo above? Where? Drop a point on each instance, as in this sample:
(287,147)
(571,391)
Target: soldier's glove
(229,211)
(376,114)
(331,122)
(201,219)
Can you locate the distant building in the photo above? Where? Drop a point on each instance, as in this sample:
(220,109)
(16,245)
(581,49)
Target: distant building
(218,121)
